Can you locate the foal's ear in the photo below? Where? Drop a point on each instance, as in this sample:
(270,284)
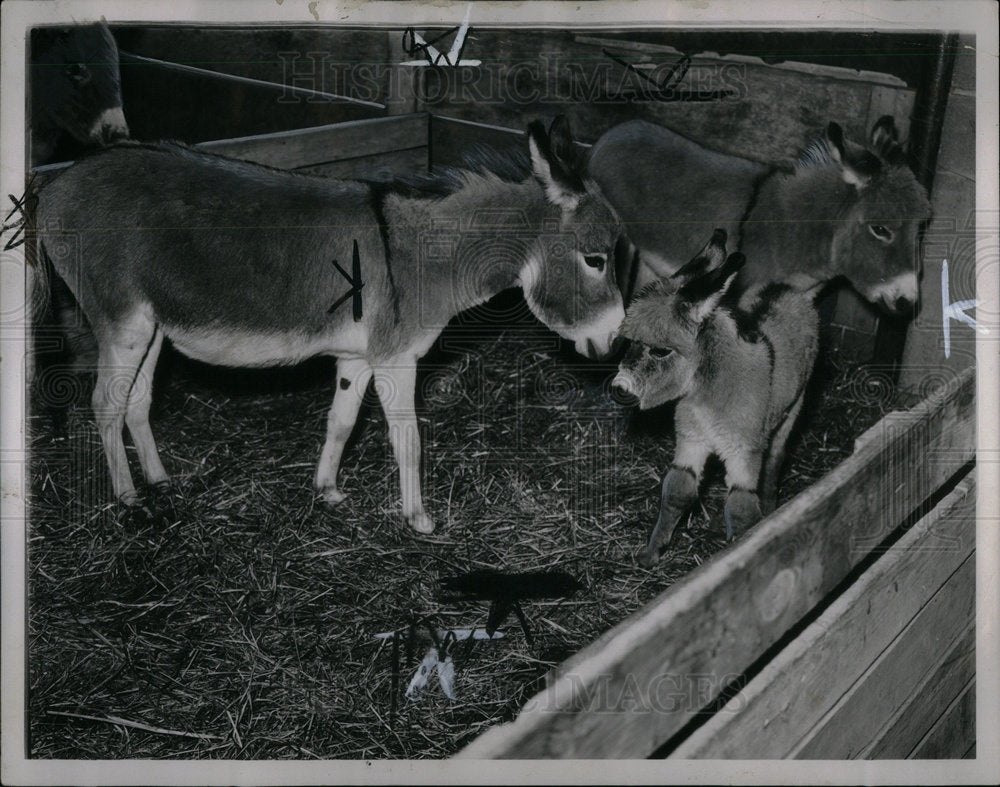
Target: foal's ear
(708,259)
(563,186)
(704,293)
(857,166)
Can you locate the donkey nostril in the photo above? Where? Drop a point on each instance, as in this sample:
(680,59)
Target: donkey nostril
(623,389)
(902,305)
(113,134)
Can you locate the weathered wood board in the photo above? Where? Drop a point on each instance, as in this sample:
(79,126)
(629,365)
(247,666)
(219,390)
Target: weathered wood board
(364,142)
(736,606)
(955,668)
(921,580)
(951,238)
(165,100)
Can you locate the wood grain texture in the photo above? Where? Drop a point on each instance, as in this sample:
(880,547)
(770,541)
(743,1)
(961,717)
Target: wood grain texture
(955,668)
(673,657)
(775,112)
(954,732)
(795,691)
(324,144)
(383,166)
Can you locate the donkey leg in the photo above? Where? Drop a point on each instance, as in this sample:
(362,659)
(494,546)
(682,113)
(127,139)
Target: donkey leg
(121,355)
(137,415)
(680,489)
(742,509)
(352,377)
(776,457)
(396,386)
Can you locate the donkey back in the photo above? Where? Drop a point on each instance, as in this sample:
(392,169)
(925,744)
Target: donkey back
(843,209)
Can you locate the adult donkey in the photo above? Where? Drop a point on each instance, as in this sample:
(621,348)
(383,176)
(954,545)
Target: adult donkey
(841,211)
(76,97)
(237,265)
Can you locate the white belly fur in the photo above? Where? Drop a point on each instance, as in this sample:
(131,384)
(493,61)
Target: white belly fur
(236,347)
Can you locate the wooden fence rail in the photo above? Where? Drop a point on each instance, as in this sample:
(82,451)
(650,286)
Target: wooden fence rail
(628,693)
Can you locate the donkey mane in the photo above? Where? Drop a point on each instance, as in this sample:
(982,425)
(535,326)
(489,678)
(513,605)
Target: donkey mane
(817,154)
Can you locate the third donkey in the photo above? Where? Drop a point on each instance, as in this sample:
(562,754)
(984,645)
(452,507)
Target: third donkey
(739,373)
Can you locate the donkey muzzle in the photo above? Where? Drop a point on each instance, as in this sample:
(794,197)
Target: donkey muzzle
(898,296)
(624,389)
(109,127)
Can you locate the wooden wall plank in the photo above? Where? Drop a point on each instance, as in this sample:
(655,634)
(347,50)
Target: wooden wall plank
(451,137)
(172,101)
(379,167)
(956,667)
(802,683)
(774,113)
(894,685)
(323,144)
(952,734)
(951,236)
(735,606)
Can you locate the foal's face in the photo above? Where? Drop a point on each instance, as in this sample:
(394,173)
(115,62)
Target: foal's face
(571,285)
(664,322)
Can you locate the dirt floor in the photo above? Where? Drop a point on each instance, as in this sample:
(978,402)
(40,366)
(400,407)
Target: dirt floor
(242,623)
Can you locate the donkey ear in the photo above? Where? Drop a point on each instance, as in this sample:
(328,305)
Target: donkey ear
(884,134)
(708,259)
(857,167)
(704,293)
(561,138)
(562,186)
(885,141)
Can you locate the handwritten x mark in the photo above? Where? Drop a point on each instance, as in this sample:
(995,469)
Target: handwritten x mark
(354,279)
(20,204)
(666,89)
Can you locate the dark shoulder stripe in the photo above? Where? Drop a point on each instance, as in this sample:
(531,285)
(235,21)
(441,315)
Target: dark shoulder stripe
(378,195)
(758,185)
(749,321)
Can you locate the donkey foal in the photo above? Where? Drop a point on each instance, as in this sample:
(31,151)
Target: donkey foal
(738,371)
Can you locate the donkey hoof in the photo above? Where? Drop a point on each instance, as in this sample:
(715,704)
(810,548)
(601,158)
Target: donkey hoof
(332,496)
(648,558)
(421,523)
(742,512)
(130,498)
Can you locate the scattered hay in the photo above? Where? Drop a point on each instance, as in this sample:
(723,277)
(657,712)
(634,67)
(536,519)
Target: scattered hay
(242,625)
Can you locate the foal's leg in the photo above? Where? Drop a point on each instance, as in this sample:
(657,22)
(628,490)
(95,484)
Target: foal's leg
(396,386)
(121,354)
(137,415)
(352,380)
(680,489)
(775,458)
(742,506)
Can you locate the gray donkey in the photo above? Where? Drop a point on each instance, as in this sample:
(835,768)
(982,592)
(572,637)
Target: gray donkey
(738,371)
(840,211)
(242,265)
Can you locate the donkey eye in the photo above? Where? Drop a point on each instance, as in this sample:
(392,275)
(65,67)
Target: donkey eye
(595,261)
(659,352)
(77,72)
(881,232)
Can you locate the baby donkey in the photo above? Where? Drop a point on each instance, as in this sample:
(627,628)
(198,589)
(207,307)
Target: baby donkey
(739,372)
